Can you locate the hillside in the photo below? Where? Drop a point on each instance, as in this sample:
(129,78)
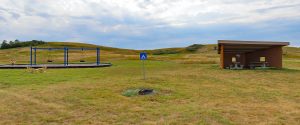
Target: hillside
(201,54)
(189,87)
(21,55)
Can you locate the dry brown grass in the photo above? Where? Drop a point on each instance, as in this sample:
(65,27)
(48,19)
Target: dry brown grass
(187,93)
(192,93)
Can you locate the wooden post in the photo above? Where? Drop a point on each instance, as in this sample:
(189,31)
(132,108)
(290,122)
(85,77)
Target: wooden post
(222,57)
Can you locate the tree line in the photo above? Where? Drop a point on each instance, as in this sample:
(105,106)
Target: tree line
(15,44)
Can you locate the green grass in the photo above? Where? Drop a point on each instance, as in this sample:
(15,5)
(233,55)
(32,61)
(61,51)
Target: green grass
(131,92)
(185,93)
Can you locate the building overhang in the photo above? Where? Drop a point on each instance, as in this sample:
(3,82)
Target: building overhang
(233,46)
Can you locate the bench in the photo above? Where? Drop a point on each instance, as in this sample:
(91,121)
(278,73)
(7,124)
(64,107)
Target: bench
(236,65)
(258,64)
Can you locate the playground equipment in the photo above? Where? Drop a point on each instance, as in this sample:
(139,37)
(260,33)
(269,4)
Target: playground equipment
(82,55)
(49,56)
(55,64)
(33,51)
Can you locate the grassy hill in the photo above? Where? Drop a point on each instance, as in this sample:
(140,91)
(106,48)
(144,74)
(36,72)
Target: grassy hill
(190,88)
(21,55)
(201,54)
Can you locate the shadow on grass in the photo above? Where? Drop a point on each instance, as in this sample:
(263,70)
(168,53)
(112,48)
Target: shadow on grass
(289,70)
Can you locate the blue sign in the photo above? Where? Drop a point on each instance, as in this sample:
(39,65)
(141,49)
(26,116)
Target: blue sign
(143,56)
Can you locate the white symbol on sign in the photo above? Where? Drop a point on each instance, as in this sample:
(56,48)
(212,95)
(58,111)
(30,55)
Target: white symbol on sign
(143,57)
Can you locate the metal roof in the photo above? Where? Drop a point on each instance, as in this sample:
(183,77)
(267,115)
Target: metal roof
(253,42)
(233,46)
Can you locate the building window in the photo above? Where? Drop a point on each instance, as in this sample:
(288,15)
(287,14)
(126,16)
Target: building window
(262,59)
(233,59)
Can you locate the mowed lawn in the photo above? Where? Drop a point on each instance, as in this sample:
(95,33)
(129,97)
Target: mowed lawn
(185,94)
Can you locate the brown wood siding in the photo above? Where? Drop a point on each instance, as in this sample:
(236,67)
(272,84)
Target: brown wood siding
(273,56)
(222,57)
(228,59)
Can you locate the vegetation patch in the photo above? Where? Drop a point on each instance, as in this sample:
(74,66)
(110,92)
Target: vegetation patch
(198,93)
(162,52)
(199,62)
(4,85)
(265,68)
(15,44)
(135,92)
(131,92)
(194,47)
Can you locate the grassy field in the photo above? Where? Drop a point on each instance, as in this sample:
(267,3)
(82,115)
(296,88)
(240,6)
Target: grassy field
(190,89)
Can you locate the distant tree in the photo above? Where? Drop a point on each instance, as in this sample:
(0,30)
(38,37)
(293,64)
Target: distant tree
(11,44)
(4,45)
(4,41)
(17,43)
(194,47)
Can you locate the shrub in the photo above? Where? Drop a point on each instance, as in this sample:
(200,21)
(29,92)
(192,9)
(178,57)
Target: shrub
(161,52)
(194,47)
(17,43)
(131,92)
(199,62)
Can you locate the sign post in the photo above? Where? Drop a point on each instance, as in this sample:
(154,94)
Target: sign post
(143,57)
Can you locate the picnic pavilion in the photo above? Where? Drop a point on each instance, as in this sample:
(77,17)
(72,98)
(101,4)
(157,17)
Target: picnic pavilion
(250,54)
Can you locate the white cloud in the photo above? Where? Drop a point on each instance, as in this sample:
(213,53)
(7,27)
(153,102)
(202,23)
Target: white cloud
(52,17)
(166,11)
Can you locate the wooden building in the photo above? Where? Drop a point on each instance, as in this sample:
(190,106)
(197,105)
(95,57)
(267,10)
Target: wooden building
(250,54)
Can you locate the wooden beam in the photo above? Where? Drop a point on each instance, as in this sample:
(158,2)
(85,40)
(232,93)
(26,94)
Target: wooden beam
(247,47)
(235,52)
(222,57)
(235,42)
(242,50)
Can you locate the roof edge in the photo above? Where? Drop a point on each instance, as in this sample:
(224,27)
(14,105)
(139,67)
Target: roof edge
(253,42)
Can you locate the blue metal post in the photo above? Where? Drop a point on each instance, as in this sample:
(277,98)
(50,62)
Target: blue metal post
(50,57)
(67,56)
(30,55)
(34,56)
(98,56)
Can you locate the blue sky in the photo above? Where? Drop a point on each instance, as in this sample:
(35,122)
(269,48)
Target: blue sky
(149,24)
